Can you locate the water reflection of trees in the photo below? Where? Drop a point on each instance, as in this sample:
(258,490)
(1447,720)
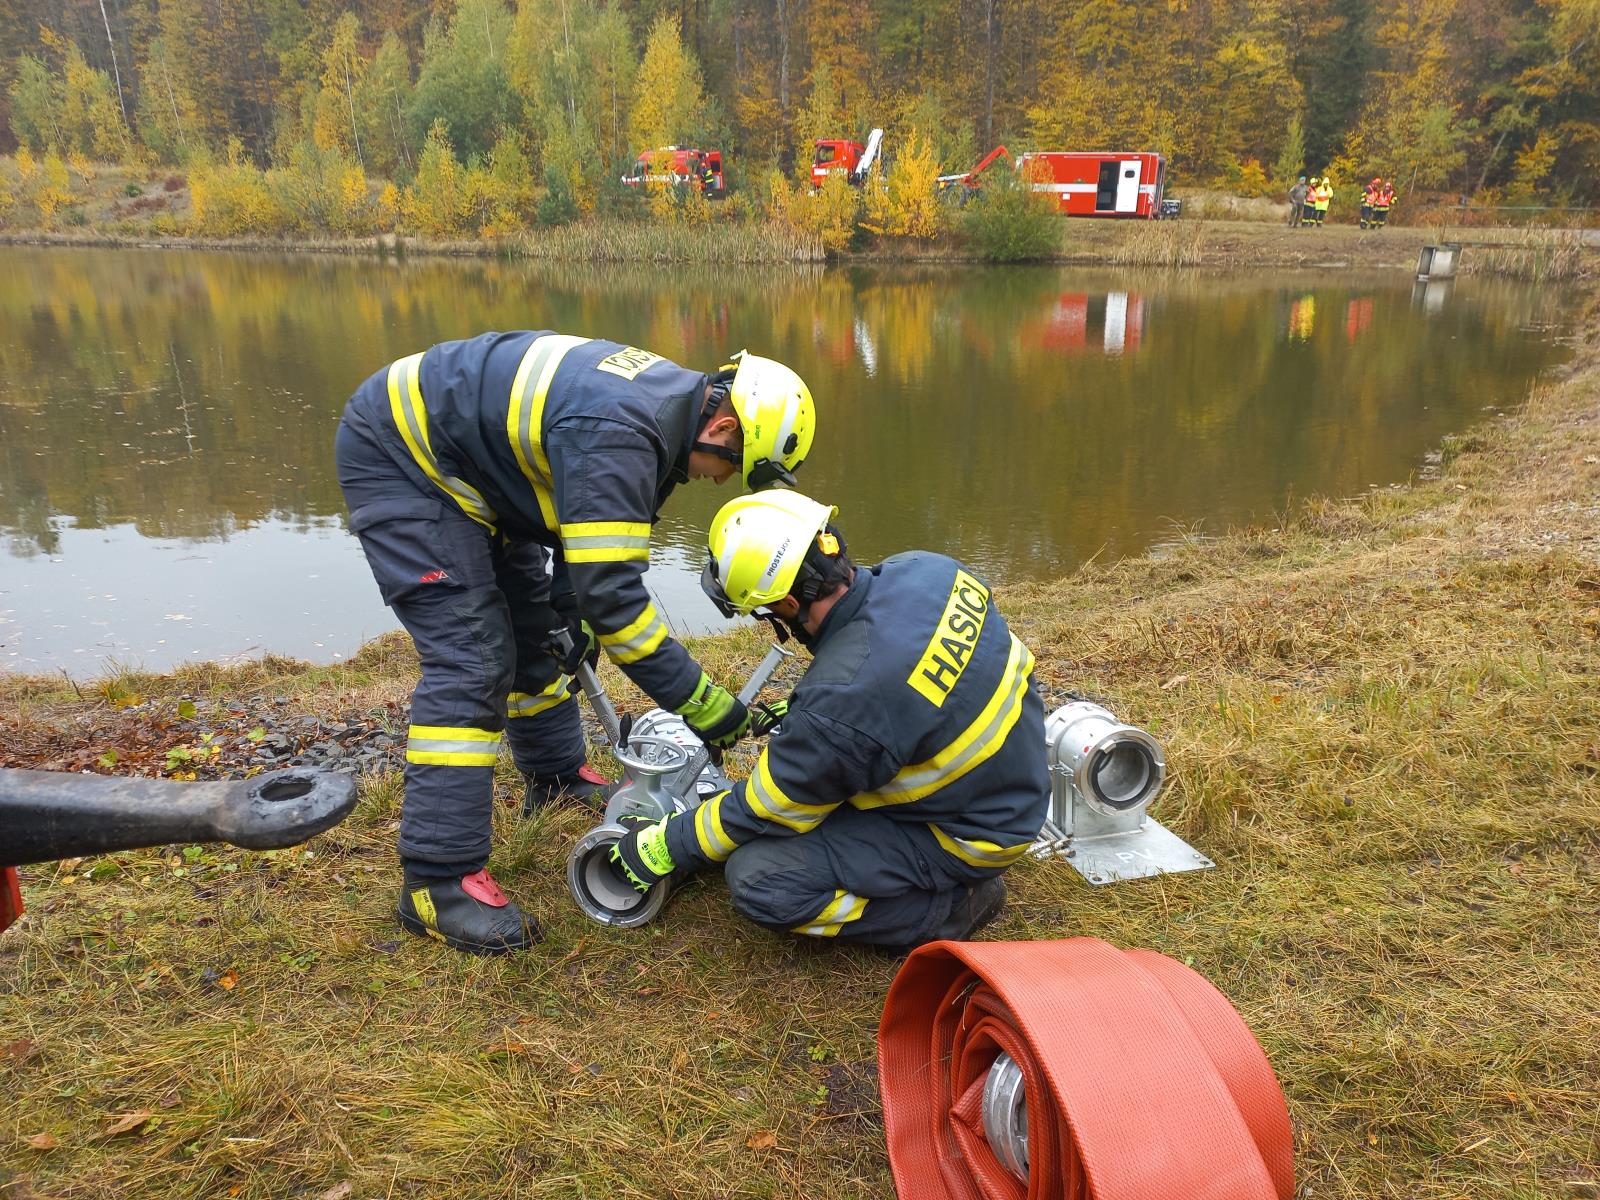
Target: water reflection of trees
(1024,416)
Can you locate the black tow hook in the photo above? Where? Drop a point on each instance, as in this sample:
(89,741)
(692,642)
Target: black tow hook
(46,815)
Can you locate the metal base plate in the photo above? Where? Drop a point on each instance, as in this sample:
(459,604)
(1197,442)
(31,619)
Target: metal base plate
(1151,849)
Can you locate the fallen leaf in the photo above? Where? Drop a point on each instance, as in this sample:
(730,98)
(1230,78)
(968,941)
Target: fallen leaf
(337,1192)
(20,1050)
(1174,682)
(228,980)
(43,1141)
(126,1122)
(762,1139)
(649,991)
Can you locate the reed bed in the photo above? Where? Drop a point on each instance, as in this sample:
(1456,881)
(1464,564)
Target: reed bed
(671,241)
(1538,255)
(1172,244)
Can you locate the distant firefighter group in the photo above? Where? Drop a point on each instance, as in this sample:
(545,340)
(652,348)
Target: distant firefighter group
(1309,201)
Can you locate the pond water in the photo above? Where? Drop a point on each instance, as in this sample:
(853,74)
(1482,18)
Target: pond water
(167,490)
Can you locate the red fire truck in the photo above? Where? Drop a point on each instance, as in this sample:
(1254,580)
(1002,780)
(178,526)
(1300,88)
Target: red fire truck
(855,159)
(1099,184)
(680,165)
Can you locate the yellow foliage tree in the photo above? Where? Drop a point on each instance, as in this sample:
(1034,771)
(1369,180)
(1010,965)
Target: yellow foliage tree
(914,209)
(27,164)
(876,214)
(334,124)
(233,198)
(435,203)
(388,207)
(829,213)
(90,117)
(55,190)
(355,210)
(667,100)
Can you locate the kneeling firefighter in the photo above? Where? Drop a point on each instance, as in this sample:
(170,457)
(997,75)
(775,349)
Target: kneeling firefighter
(503,488)
(906,771)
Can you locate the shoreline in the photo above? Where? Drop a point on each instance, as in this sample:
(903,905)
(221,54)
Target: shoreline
(1201,243)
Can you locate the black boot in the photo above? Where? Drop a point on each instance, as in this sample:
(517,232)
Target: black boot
(585,785)
(470,913)
(980,904)
(974,907)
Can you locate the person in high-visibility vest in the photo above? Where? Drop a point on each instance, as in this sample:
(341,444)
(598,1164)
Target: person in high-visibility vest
(1324,195)
(503,488)
(1382,204)
(1369,201)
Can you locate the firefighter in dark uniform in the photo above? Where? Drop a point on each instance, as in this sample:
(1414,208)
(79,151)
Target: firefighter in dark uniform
(907,770)
(503,488)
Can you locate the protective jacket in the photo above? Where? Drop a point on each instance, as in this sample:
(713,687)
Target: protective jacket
(571,442)
(918,704)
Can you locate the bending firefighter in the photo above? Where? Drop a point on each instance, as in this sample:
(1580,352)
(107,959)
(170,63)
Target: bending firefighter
(503,488)
(906,772)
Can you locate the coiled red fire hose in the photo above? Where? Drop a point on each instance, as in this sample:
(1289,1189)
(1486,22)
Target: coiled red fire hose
(1142,1082)
(10,898)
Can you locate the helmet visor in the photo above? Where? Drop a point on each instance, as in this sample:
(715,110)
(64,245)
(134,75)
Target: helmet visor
(768,473)
(711,585)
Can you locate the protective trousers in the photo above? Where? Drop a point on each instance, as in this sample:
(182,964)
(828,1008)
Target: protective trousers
(477,606)
(859,876)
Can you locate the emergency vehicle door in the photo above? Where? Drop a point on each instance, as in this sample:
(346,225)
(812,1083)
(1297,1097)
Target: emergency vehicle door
(1128,186)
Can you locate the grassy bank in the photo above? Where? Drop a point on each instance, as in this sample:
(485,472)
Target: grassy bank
(117,206)
(1381,720)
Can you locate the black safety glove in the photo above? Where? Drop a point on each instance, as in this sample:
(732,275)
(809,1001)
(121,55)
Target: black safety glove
(764,718)
(585,646)
(642,857)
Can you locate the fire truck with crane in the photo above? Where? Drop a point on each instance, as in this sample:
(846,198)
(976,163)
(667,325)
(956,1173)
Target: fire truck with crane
(854,159)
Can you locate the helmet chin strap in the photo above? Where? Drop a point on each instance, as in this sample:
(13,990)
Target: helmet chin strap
(715,395)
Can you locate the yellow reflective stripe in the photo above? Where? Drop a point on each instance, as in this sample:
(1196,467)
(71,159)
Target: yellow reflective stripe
(457,733)
(766,799)
(605,529)
(450,746)
(525,414)
(422,901)
(411,418)
(978,743)
(714,841)
(979,853)
(606,541)
(525,704)
(841,910)
(638,639)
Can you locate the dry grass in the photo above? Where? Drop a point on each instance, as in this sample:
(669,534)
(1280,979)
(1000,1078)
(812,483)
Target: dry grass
(1180,243)
(1223,206)
(1540,255)
(645,241)
(1382,721)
